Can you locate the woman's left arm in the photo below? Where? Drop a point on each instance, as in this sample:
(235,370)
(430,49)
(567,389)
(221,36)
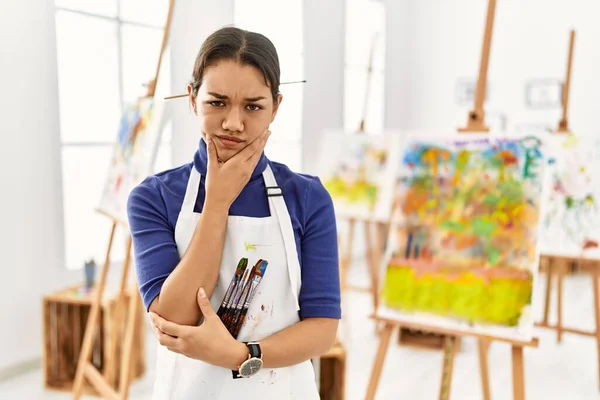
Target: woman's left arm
(320,304)
(307,339)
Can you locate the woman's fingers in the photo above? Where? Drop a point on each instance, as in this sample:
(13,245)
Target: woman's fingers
(165,340)
(168,327)
(254,148)
(211,149)
(253,158)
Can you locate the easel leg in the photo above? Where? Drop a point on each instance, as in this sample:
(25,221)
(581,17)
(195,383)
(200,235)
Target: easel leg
(378,259)
(483,347)
(549,266)
(90,328)
(371,256)
(126,360)
(120,307)
(595,284)
(384,342)
(346,256)
(518,373)
(560,276)
(448,365)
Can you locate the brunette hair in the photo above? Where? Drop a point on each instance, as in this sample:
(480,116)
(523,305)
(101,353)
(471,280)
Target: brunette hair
(245,47)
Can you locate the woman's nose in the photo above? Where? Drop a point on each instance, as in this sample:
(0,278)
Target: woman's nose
(233,121)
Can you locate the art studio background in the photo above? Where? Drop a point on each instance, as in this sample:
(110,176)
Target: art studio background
(70,67)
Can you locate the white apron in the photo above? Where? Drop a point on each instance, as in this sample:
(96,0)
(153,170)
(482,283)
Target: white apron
(273,308)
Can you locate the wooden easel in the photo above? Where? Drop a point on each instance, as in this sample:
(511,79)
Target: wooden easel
(476,120)
(563,124)
(448,361)
(555,264)
(105,384)
(374,246)
(560,266)
(475,123)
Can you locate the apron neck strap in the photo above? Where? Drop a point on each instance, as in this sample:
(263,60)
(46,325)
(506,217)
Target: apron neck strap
(191,192)
(279,210)
(272,190)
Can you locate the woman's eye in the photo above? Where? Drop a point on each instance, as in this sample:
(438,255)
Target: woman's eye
(253,107)
(216,103)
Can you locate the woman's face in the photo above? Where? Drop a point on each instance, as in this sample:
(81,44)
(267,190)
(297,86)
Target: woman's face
(235,106)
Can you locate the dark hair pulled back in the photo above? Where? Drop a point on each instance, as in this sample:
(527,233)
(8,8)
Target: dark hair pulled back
(245,47)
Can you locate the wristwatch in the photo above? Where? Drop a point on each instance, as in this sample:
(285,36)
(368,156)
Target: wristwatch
(253,364)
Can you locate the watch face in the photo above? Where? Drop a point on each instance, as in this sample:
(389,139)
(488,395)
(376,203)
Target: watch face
(250,367)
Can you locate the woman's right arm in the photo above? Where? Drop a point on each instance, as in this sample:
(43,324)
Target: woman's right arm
(167,281)
(199,267)
(200,264)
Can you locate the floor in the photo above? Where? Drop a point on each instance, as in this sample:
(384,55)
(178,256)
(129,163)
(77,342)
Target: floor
(552,371)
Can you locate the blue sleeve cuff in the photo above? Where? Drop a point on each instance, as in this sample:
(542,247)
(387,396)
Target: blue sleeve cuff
(320,312)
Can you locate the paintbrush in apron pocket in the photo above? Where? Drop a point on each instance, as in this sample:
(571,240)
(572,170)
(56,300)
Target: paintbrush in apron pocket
(243,308)
(240,304)
(239,272)
(235,298)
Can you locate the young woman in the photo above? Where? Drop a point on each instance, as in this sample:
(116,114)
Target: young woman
(193,224)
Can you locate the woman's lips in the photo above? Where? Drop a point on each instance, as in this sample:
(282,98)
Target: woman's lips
(230,141)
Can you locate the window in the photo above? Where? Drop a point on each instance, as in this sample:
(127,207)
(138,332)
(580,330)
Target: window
(107,52)
(365,34)
(281,22)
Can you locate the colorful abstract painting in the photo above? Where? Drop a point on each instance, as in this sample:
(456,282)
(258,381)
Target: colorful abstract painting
(358,171)
(571,220)
(133,156)
(464,252)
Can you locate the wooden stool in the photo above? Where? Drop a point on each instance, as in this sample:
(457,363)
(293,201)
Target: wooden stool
(65,315)
(333,373)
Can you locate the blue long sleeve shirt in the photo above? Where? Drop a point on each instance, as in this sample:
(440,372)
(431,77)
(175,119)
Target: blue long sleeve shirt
(154,205)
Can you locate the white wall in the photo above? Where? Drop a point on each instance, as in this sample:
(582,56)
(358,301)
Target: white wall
(31,240)
(438,42)
(323,106)
(193,21)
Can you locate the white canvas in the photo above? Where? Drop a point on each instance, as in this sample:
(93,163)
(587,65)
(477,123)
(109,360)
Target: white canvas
(571,222)
(358,170)
(133,156)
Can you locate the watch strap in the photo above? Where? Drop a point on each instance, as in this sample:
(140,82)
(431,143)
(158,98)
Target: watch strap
(254,348)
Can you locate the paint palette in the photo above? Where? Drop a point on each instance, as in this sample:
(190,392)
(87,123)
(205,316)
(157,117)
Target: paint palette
(464,252)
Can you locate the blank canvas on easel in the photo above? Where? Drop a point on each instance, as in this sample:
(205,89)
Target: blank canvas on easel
(358,171)
(133,154)
(571,220)
(463,253)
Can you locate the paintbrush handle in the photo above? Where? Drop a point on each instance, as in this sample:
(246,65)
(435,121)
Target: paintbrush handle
(240,318)
(234,297)
(239,271)
(240,322)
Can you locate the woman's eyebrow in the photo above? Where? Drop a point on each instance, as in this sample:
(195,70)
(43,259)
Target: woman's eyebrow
(223,97)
